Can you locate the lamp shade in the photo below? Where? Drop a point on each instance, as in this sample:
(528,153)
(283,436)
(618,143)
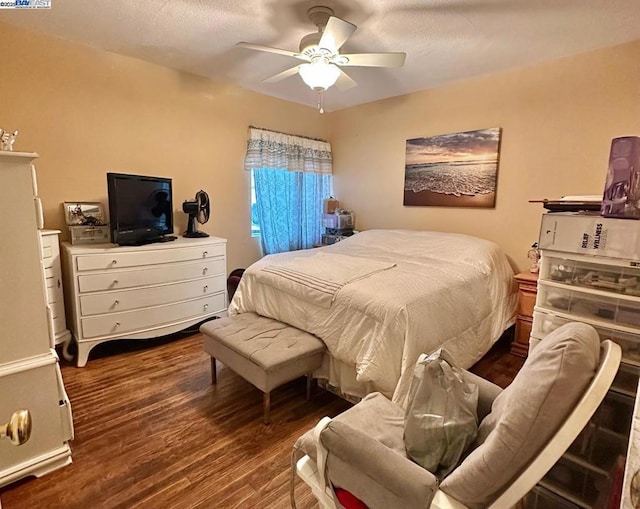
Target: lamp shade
(319,75)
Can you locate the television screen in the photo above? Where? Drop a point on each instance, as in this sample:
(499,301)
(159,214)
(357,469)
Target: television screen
(140,208)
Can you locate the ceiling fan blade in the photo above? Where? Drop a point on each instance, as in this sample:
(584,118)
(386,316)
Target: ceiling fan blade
(345,82)
(269,49)
(336,34)
(282,75)
(372,59)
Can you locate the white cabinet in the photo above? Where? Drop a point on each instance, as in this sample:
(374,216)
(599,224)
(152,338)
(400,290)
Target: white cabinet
(116,292)
(583,278)
(30,377)
(52,272)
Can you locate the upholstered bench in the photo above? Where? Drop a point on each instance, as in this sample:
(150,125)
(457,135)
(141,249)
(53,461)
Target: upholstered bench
(263,351)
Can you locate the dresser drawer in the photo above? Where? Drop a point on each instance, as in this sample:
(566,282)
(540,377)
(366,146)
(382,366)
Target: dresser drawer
(125,300)
(49,248)
(526,302)
(121,259)
(133,278)
(119,324)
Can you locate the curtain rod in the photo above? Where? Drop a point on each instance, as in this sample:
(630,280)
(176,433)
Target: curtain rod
(288,134)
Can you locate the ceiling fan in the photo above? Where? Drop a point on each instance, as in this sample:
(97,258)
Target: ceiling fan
(320,52)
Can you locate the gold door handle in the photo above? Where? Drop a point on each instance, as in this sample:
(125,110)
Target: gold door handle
(18,429)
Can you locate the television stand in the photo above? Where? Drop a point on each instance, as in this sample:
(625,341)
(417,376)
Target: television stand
(142,292)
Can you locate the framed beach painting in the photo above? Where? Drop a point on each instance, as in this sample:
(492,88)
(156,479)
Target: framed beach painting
(453,170)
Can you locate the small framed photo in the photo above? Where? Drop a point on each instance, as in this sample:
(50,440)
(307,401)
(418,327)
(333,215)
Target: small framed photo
(83,213)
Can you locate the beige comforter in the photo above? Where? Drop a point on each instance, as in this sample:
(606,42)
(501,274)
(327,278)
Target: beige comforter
(424,290)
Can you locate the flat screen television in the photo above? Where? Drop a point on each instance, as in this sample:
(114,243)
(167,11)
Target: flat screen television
(140,209)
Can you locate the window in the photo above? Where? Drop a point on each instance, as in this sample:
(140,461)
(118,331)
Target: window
(290,178)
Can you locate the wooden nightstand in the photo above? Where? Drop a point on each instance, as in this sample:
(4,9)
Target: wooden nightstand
(527,290)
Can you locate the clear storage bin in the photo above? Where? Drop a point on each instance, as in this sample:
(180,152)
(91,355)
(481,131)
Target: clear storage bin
(541,498)
(599,447)
(610,278)
(615,414)
(544,323)
(575,483)
(626,381)
(608,309)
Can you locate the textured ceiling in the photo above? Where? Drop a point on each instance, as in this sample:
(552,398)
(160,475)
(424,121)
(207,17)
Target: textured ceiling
(445,40)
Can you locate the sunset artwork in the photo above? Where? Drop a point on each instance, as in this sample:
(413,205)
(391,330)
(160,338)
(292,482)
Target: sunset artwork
(453,170)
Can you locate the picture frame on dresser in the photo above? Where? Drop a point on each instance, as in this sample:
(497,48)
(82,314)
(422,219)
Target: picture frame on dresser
(79,213)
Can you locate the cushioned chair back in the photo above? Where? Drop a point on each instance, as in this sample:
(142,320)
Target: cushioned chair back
(554,393)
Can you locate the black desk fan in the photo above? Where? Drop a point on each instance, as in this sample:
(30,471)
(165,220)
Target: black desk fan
(198,209)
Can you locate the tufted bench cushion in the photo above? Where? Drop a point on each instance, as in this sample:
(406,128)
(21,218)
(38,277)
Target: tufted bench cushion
(265,352)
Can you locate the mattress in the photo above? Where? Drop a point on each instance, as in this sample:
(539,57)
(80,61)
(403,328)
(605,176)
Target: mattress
(426,290)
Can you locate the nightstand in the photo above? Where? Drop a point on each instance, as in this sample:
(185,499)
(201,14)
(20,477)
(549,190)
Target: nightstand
(527,290)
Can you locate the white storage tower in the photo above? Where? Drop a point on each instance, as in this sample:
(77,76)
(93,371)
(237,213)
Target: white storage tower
(590,272)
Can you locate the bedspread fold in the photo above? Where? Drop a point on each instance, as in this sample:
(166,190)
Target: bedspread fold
(318,278)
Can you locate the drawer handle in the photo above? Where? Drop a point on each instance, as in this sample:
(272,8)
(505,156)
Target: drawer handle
(116,302)
(204,254)
(206,306)
(204,271)
(117,325)
(18,429)
(59,284)
(115,281)
(114,262)
(206,287)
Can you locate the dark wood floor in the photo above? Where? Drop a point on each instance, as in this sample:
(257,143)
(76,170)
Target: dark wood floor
(152,432)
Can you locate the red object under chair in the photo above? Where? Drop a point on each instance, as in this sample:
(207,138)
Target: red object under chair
(349,501)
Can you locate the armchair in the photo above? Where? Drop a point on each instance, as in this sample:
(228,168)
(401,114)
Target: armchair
(524,430)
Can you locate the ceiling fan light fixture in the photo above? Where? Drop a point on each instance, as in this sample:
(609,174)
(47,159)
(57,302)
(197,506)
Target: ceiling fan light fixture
(319,75)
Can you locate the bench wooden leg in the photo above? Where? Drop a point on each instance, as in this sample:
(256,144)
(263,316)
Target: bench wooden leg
(214,374)
(266,405)
(309,382)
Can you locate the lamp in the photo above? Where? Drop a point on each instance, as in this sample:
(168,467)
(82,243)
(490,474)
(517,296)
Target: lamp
(319,74)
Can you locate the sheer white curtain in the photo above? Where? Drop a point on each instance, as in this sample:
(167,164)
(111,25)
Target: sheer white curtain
(292,176)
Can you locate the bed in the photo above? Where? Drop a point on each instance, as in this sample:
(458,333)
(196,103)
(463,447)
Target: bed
(380,298)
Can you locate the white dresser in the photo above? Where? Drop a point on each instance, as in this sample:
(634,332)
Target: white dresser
(30,377)
(52,271)
(116,292)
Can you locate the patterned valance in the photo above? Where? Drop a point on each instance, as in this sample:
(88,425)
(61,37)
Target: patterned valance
(280,151)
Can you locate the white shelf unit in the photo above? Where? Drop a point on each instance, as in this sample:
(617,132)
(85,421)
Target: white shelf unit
(30,376)
(587,281)
(52,272)
(142,292)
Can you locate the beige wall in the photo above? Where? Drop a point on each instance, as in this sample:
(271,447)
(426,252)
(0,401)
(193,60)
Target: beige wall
(557,122)
(87,112)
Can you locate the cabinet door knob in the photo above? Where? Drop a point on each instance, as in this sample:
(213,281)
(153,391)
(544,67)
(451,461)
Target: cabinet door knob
(204,254)
(18,429)
(59,284)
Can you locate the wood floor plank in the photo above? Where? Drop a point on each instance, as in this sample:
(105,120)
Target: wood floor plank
(152,432)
